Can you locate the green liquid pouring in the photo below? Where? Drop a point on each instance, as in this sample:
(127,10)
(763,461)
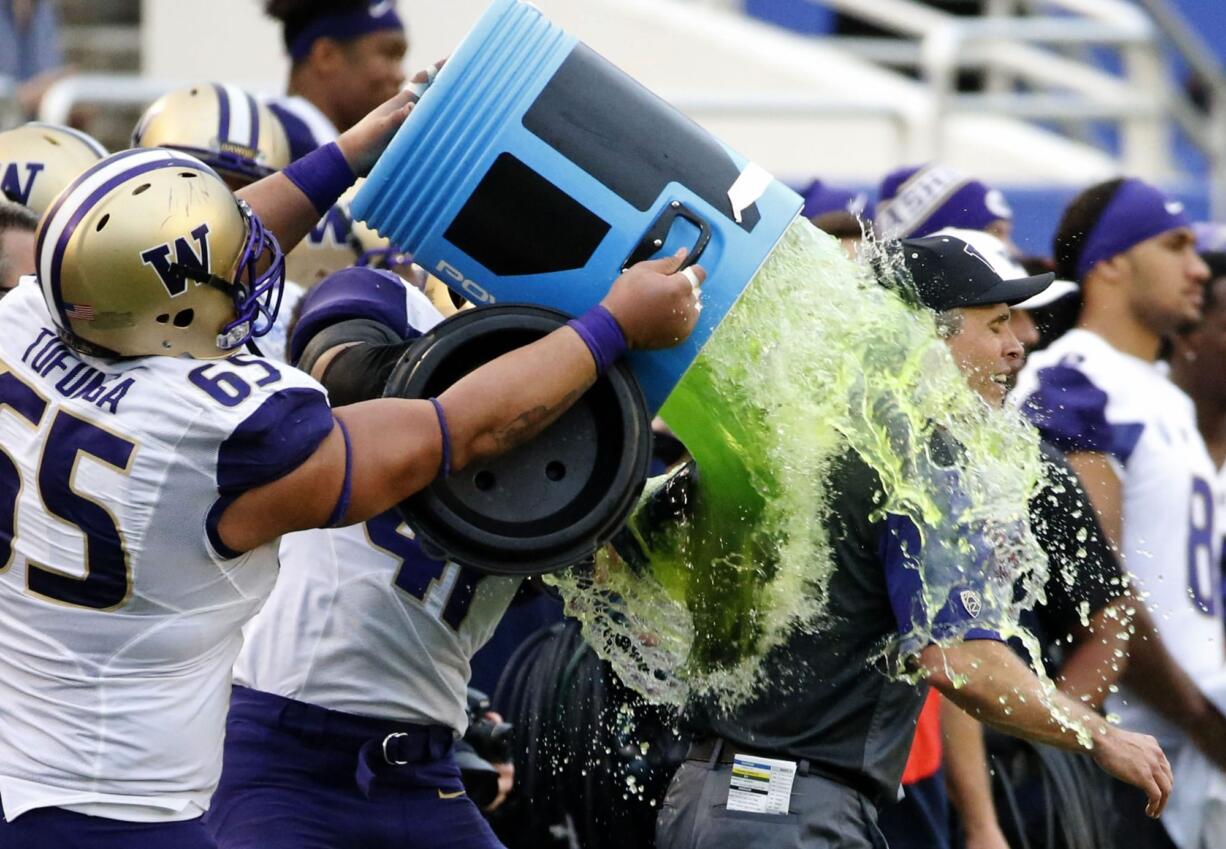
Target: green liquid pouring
(815,359)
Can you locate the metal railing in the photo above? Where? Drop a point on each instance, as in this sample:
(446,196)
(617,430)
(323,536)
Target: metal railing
(122,90)
(1034,57)
(1032,53)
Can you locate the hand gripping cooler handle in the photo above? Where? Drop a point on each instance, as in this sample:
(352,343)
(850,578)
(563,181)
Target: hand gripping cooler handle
(654,238)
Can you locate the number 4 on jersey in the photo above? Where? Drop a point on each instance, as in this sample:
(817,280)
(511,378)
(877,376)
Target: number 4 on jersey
(446,590)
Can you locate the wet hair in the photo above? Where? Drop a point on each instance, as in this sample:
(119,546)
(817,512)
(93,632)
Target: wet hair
(297,15)
(949,323)
(1078,221)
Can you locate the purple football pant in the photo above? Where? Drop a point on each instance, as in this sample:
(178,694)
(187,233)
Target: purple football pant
(56,828)
(289,782)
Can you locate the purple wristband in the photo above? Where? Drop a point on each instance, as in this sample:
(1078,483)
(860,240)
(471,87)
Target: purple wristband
(445,466)
(323,175)
(602,334)
(342,503)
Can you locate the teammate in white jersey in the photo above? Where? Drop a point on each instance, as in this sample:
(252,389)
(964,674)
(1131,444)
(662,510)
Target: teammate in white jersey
(365,635)
(1099,394)
(148,471)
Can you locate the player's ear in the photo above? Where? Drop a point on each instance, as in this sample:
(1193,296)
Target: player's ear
(1112,271)
(326,56)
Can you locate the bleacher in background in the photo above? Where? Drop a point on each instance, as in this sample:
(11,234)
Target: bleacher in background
(1033,205)
(103,36)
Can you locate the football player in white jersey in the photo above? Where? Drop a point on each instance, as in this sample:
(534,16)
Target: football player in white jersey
(365,635)
(148,470)
(1100,394)
(226,128)
(1194,358)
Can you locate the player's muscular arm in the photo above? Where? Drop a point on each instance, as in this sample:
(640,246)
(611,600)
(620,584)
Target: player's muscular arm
(286,211)
(1106,490)
(1161,682)
(1150,670)
(397,444)
(997,688)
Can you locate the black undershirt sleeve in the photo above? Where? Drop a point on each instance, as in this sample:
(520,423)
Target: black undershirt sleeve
(1084,572)
(360,371)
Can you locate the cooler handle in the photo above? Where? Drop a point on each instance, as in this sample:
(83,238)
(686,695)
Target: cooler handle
(654,238)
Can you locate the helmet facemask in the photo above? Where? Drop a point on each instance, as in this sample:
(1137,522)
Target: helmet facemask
(257,294)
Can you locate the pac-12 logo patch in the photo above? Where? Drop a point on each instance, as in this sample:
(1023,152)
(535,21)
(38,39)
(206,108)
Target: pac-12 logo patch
(185,257)
(972,603)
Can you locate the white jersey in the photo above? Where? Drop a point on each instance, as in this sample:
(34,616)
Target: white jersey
(305,125)
(1085,395)
(273,343)
(362,621)
(120,608)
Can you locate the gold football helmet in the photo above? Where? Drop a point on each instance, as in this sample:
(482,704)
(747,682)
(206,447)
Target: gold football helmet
(38,160)
(329,247)
(222,126)
(379,252)
(242,140)
(148,252)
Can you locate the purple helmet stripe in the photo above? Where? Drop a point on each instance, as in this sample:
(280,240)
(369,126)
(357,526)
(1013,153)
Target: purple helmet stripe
(255,121)
(90,202)
(223,104)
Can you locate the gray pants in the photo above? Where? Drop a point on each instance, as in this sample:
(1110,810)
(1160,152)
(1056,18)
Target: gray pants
(823,815)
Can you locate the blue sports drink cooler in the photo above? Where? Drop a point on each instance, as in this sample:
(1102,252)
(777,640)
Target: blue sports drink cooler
(534,171)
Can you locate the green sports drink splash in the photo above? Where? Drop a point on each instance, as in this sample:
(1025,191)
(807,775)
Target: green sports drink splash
(816,359)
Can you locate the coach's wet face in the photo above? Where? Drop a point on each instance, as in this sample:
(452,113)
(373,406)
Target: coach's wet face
(986,350)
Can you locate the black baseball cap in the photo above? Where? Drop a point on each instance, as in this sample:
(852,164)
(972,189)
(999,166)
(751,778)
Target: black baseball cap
(949,273)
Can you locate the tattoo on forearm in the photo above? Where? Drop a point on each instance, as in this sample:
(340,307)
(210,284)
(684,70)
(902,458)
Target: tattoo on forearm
(531,422)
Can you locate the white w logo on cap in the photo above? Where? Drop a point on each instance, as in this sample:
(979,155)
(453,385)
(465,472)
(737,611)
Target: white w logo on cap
(970,251)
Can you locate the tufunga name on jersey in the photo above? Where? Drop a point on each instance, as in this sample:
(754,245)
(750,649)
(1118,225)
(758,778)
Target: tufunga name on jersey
(80,380)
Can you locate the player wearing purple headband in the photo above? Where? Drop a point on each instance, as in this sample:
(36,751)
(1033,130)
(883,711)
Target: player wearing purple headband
(347,57)
(1100,394)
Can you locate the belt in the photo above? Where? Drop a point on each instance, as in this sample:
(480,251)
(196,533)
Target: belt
(398,743)
(716,750)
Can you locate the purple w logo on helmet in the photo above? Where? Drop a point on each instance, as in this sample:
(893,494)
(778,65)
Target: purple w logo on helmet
(185,258)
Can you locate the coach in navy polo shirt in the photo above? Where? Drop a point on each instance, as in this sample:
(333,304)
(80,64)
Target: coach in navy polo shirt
(831,731)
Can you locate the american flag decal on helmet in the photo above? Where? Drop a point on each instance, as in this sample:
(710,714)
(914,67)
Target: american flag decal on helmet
(79,312)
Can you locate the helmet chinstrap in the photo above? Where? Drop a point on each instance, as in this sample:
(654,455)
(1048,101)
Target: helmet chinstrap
(257,295)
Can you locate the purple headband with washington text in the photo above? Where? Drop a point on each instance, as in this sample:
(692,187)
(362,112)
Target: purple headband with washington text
(1136,212)
(344,26)
(917,202)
